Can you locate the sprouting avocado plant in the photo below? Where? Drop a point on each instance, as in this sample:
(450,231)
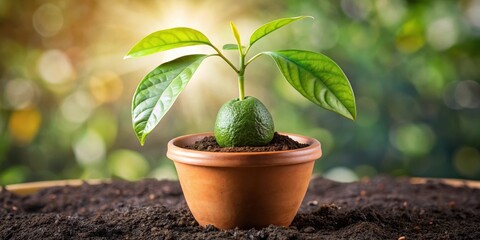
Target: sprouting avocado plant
(243,121)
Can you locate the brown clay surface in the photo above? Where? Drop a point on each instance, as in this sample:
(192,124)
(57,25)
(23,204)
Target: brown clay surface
(278,143)
(382,208)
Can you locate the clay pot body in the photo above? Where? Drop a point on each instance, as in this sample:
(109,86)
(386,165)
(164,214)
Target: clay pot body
(244,189)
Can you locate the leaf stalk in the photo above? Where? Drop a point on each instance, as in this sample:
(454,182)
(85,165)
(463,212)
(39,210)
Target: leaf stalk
(220,54)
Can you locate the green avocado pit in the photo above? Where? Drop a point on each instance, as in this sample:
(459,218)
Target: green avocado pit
(243,123)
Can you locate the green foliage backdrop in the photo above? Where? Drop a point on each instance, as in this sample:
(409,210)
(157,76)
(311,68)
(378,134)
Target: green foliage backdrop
(65,90)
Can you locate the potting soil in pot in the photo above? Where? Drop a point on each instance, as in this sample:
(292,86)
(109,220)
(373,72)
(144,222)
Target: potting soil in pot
(278,143)
(381,208)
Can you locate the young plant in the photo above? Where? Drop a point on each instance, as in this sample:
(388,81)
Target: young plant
(243,121)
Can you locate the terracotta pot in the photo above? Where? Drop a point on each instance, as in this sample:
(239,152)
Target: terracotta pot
(245,190)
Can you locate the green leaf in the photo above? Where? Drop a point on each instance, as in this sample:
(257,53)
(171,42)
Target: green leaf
(157,92)
(231,46)
(272,26)
(317,78)
(167,39)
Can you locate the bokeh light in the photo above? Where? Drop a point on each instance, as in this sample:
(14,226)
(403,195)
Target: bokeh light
(24,125)
(390,12)
(467,161)
(20,93)
(77,107)
(467,94)
(410,37)
(462,94)
(89,148)
(55,69)
(442,33)
(48,20)
(127,164)
(106,87)
(413,139)
(358,10)
(341,174)
(473,13)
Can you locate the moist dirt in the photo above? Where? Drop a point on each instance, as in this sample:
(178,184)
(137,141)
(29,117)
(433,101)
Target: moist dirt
(278,143)
(380,208)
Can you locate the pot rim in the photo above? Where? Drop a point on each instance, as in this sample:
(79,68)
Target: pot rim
(178,154)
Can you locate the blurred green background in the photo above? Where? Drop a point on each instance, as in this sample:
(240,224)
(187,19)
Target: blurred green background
(65,89)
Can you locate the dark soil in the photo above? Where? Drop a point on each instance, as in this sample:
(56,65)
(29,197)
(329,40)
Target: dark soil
(382,208)
(278,143)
